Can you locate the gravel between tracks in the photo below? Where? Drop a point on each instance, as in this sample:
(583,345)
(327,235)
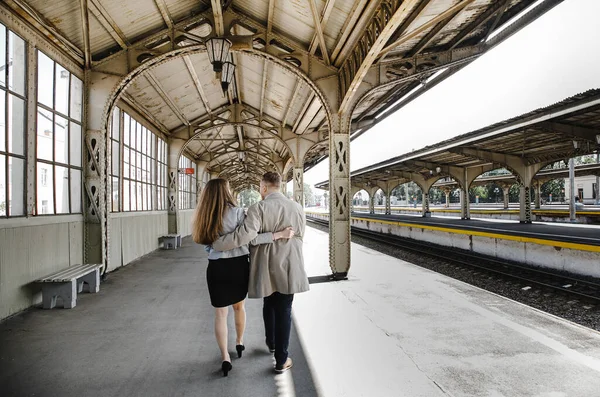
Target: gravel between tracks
(557,304)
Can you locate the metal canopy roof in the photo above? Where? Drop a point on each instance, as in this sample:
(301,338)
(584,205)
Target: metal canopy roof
(543,136)
(379,50)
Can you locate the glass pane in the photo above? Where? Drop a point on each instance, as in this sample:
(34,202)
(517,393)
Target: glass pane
(140,195)
(61,98)
(115,194)
(144,197)
(75,191)
(44,134)
(138,164)
(126,163)
(45,80)
(143,133)
(75,144)
(126,128)
(125,195)
(115,158)
(16,125)
(2,61)
(76,98)
(138,136)
(61,176)
(16,63)
(116,119)
(133,196)
(45,192)
(16,186)
(2,120)
(3,185)
(61,145)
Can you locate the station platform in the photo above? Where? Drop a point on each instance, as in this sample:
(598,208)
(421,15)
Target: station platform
(392,329)
(559,233)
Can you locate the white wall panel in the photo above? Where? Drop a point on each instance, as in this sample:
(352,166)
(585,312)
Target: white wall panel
(136,234)
(32,250)
(184,220)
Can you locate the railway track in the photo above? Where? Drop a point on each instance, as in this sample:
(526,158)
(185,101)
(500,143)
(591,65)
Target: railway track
(583,290)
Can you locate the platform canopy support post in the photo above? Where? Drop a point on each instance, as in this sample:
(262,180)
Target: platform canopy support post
(505,192)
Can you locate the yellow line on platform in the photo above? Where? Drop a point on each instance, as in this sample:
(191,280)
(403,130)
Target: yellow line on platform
(553,243)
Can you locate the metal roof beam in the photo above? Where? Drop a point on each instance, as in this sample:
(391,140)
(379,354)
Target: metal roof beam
(570,130)
(369,48)
(319,31)
(49,30)
(85,29)
(218,15)
(425,26)
(196,80)
(165,97)
(263,86)
(164,12)
(348,27)
(324,19)
(477,22)
(108,23)
(428,38)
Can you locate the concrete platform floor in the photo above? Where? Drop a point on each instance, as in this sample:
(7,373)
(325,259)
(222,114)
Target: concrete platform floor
(392,329)
(149,332)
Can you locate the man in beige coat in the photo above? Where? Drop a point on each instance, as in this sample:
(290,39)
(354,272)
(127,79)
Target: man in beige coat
(276,270)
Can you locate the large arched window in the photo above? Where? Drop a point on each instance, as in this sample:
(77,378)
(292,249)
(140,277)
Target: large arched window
(138,165)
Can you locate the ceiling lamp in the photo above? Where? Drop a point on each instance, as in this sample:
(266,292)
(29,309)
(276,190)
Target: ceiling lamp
(218,51)
(227,74)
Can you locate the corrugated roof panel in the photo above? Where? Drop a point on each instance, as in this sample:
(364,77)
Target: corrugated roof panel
(135,18)
(280,87)
(65,15)
(339,14)
(258,9)
(181,9)
(100,39)
(251,79)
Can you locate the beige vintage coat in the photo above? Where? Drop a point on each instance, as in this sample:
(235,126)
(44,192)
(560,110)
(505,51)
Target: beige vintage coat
(276,267)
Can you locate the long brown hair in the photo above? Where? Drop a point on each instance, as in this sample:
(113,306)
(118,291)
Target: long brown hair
(207,222)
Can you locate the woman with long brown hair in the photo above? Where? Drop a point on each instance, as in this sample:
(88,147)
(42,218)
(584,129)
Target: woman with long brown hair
(228,271)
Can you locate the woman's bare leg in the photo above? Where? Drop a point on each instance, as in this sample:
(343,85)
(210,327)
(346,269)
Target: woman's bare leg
(221,331)
(239,311)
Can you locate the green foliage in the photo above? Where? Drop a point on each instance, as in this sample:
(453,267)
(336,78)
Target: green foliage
(249,197)
(3,207)
(309,196)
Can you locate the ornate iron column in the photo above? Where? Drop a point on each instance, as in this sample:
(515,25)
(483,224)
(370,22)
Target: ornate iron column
(425,204)
(505,191)
(299,185)
(465,212)
(525,203)
(538,195)
(372,204)
(340,193)
(447,192)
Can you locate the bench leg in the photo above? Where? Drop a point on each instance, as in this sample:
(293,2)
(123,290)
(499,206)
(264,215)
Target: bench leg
(92,280)
(67,291)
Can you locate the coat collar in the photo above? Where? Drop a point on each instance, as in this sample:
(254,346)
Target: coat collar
(274,195)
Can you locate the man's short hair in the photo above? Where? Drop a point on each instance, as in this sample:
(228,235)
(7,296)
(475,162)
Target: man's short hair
(272,179)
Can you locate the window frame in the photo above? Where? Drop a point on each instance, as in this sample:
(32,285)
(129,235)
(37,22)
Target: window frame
(7,91)
(69,120)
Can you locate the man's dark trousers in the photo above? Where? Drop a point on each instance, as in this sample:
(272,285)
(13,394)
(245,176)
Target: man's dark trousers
(277,315)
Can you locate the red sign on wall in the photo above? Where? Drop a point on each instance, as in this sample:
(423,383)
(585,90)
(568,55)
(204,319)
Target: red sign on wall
(187,171)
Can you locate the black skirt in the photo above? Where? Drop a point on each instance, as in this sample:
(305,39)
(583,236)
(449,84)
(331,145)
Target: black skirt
(227,280)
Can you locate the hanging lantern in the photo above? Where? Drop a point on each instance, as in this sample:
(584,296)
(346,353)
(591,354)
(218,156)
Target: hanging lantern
(227,74)
(218,51)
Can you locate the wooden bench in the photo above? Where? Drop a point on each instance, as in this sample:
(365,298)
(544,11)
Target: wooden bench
(171,241)
(67,283)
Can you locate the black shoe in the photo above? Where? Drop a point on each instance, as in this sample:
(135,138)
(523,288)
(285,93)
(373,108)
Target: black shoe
(282,368)
(226,367)
(240,349)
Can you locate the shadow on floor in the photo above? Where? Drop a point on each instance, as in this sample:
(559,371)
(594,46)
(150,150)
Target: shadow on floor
(148,332)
